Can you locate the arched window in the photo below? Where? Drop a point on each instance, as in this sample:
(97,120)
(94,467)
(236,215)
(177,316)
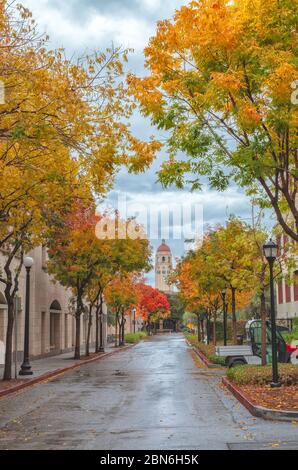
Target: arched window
(55,305)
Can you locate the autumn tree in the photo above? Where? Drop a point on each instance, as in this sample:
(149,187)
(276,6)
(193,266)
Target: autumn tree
(241,263)
(73,257)
(63,125)
(153,305)
(220,82)
(52,103)
(189,292)
(121,296)
(230,257)
(29,230)
(88,264)
(123,249)
(224,260)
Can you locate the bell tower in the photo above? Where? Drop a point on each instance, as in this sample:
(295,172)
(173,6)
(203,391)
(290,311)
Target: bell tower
(163,267)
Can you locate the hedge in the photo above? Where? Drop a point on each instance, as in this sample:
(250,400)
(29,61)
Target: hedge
(262,375)
(292,335)
(135,337)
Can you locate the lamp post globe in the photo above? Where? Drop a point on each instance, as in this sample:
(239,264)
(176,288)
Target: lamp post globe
(270,251)
(28,262)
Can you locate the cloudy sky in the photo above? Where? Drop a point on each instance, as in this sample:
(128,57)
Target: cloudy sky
(78,25)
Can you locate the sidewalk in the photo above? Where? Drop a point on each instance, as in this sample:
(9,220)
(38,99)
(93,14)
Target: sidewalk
(49,367)
(50,363)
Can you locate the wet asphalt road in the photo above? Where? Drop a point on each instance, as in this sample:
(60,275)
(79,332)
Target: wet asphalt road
(152,396)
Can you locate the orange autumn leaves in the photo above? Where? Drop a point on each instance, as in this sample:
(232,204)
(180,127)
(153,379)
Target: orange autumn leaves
(220,78)
(227,259)
(130,291)
(152,304)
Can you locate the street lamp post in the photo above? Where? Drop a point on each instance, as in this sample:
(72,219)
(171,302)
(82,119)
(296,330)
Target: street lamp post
(26,367)
(134,319)
(270,252)
(223,295)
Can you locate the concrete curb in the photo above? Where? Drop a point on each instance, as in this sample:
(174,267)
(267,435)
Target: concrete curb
(203,358)
(259,411)
(55,373)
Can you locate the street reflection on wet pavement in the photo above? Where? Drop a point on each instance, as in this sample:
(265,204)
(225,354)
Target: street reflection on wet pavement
(152,396)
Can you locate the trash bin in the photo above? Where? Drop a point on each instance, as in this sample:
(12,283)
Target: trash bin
(239,339)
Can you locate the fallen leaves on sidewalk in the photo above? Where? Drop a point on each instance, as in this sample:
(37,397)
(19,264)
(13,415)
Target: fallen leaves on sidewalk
(7,384)
(200,364)
(283,398)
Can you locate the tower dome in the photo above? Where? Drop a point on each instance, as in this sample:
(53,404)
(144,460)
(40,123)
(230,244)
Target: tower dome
(163,247)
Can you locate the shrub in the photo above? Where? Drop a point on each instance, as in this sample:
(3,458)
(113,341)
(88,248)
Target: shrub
(217,360)
(207,349)
(262,375)
(135,337)
(292,335)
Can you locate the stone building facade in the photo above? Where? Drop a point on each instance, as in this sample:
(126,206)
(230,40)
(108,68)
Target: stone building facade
(52,323)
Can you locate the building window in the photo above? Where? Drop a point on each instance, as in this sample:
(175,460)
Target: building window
(280,293)
(296,286)
(163,259)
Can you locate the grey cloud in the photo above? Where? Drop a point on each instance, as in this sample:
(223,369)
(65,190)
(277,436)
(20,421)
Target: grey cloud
(81,9)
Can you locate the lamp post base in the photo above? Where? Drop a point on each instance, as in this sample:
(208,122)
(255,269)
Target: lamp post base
(101,349)
(26,370)
(275,384)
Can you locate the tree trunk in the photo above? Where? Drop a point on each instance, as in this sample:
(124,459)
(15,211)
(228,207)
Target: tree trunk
(198,326)
(89,331)
(264,329)
(120,330)
(202,330)
(116,329)
(9,335)
(234,319)
(11,289)
(214,330)
(79,311)
(77,354)
(208,329)
(123,329)
(101,329)
(97,329)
